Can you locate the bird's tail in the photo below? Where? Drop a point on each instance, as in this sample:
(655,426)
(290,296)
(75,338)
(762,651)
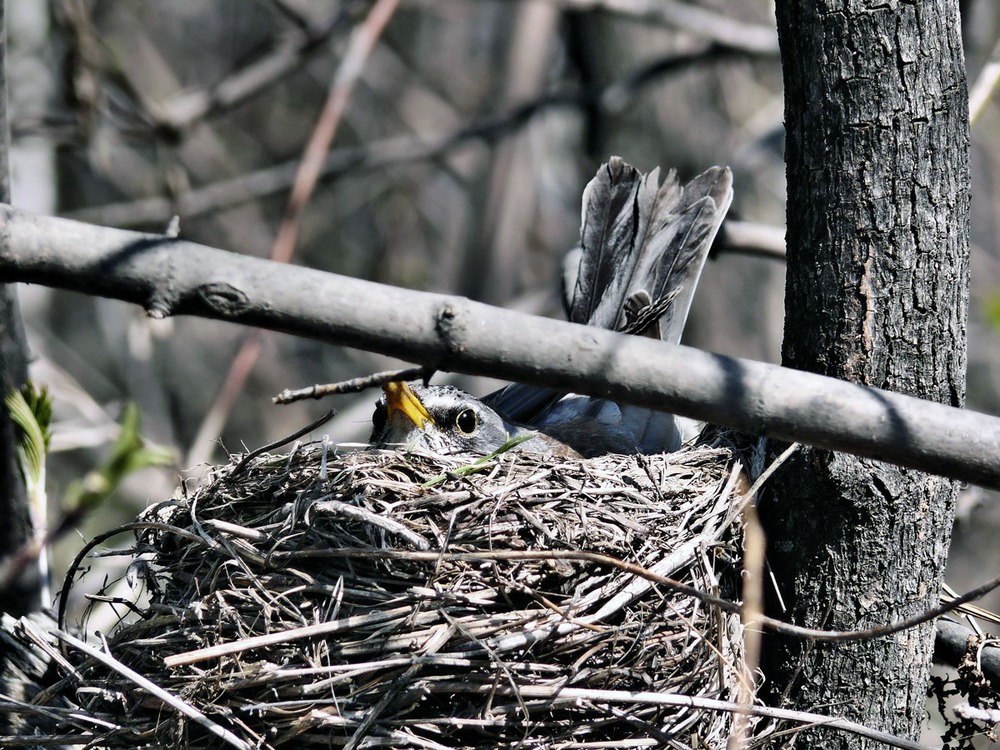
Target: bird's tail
(643,246)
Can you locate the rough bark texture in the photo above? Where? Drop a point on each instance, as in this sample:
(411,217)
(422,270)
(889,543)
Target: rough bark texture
(15,528)
(878,172)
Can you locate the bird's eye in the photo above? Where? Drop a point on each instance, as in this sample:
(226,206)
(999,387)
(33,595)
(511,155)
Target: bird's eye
(466,421)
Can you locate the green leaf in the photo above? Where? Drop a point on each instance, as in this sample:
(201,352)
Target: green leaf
(31,412)
(991,308)
(128,454)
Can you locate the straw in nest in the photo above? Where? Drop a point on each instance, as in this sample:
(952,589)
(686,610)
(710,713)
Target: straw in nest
(403,600)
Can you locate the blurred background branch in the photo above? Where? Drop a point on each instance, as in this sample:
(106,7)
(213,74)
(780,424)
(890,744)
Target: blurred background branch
(605,100)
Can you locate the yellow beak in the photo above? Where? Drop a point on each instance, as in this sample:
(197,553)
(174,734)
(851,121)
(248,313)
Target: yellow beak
(401,399)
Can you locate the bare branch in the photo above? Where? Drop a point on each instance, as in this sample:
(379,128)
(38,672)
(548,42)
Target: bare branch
(354,385)
(985,84)
(748,37)
(391,151)
(952,642)
(749,238)
(174,277)
(289,53)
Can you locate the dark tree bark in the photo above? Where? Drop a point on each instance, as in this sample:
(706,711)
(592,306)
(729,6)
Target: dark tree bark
(15,526)
(877,293)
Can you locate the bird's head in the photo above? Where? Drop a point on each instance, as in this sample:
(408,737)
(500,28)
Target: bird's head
(441,419)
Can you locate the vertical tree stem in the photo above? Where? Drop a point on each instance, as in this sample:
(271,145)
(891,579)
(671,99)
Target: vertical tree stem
(876,113)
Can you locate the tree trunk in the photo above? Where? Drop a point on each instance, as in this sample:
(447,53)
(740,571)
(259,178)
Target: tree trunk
(877,293)
(15,528)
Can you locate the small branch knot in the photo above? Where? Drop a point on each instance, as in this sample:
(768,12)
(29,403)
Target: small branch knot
(224,299)
(451,328)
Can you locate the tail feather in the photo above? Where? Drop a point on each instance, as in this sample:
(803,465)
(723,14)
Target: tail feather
(615,205)
(680,233)
(643,247)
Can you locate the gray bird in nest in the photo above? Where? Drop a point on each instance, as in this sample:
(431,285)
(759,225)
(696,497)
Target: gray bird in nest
(641,253)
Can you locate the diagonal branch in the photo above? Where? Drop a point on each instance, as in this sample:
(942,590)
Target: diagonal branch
(753,38)
(289,52)
(396,150)
(173,277)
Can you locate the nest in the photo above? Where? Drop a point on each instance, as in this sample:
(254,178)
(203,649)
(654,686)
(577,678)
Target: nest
(380,599)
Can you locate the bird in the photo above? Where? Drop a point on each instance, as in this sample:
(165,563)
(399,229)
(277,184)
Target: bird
(642,249)
(444,419)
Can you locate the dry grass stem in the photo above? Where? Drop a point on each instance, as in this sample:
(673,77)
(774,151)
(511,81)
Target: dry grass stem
(379,598)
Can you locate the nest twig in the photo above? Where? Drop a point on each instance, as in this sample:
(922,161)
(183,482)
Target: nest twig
(382,599)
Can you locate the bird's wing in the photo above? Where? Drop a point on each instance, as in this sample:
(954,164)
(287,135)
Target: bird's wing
(520,402)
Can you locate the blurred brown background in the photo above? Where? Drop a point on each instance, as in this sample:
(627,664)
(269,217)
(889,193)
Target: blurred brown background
(458,167)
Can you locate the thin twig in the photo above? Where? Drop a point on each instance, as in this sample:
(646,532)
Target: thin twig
(74,567)
(725,605)
(281,441)
(285,636)
(751,615)
(354,385)
(773,467)
(347,75)
(336,507)
(153,689)
(556,694)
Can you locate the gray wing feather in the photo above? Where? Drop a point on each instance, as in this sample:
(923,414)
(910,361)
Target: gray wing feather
(679,234)
(520,402)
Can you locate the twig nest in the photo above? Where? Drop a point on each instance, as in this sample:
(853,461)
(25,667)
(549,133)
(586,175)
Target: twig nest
(401,600)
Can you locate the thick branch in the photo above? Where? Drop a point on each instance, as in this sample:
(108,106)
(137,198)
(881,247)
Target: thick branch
(951,645)
(171,277)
